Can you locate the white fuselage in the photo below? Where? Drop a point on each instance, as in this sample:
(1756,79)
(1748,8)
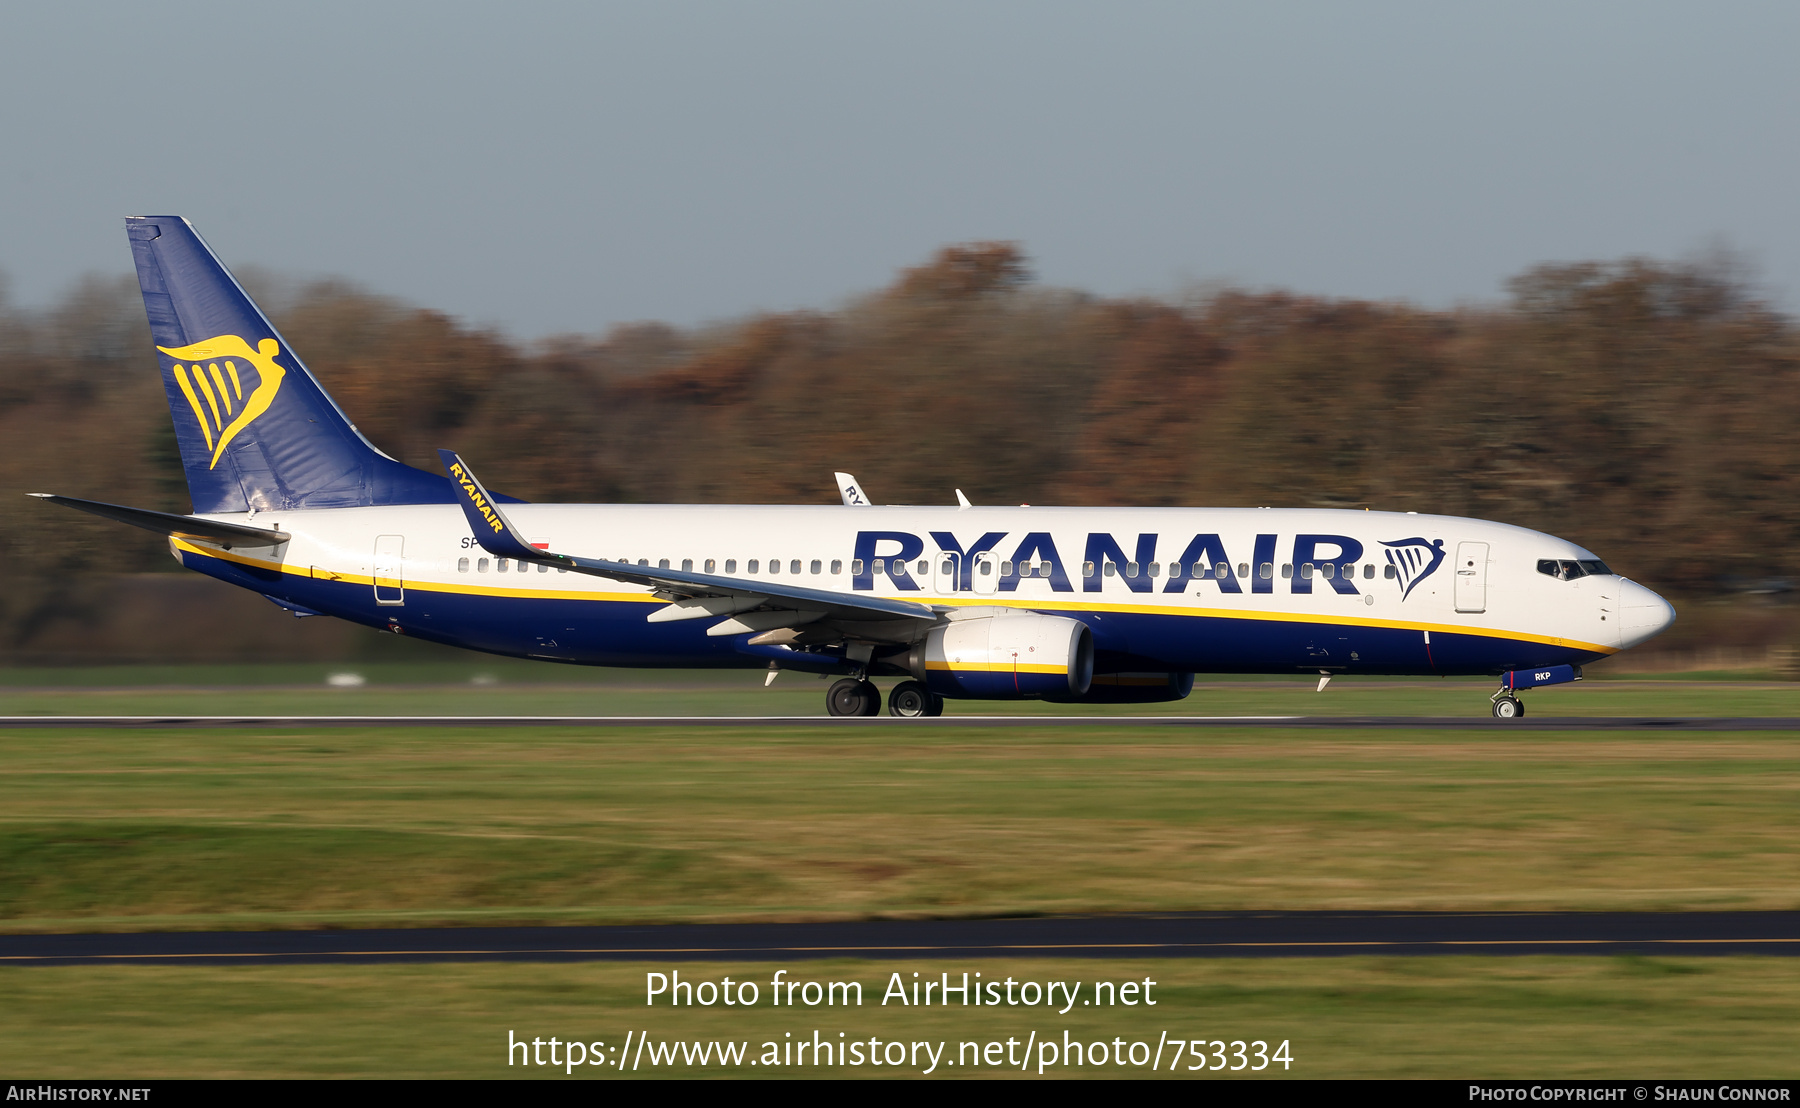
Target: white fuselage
(1189,589)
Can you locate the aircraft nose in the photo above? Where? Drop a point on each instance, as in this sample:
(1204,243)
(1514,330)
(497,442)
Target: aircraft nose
(1643,615)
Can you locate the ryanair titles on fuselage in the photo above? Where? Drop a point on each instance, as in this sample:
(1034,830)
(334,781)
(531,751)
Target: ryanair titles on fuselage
(1202,559)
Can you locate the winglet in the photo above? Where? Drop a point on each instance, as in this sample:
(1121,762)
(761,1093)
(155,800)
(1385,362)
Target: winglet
(962,501)
(493,530)
(853,495)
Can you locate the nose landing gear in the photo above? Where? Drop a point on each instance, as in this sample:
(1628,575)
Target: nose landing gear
(1507,707)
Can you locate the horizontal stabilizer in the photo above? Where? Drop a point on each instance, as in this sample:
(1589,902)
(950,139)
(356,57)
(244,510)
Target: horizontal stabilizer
(168,523)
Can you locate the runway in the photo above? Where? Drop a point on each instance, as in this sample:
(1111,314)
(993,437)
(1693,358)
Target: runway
(1388,723)
(1172,935)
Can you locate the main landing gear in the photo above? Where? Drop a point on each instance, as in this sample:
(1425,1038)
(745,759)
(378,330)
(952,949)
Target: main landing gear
(853,697)
(909,698)
(859,697)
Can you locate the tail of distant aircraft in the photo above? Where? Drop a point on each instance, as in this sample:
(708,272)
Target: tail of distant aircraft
(255,429)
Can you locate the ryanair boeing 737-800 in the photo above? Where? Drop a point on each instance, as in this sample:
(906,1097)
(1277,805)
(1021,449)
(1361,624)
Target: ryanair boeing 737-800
(1089,605)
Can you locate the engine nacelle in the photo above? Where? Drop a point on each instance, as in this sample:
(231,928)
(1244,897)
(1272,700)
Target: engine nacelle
(1006,656)
(1133,688)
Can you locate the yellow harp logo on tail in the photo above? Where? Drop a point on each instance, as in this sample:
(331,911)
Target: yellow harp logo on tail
(225,410)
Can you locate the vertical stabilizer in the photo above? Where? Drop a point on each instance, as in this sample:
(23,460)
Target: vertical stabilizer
(255,428)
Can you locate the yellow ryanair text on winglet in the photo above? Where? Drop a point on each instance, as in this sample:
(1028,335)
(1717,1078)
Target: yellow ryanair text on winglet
(223,403)
(474,494)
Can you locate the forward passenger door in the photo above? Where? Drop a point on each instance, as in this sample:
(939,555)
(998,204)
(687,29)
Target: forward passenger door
(1471,576)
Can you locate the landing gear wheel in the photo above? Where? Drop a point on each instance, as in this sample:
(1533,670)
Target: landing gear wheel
(1508,707)
(844,698)
(851,697)
(871,699)
(911,699)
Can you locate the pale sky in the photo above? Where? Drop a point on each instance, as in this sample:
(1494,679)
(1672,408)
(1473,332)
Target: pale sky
(564,167)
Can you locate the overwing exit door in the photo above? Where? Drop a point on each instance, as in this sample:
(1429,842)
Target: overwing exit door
(986,575)
(944,571)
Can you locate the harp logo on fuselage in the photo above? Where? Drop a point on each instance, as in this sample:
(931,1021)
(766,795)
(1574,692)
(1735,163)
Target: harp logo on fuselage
(210,377)
(1414,560)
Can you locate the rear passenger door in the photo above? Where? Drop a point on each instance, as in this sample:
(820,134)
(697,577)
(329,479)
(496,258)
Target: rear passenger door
(390,588)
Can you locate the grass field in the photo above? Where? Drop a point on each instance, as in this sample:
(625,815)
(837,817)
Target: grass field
(298,826)
(1448,1017)
(508,687)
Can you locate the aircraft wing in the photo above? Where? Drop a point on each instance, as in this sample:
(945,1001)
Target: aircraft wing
(749,605)
(168,523)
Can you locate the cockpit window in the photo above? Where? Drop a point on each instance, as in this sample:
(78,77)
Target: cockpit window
(1567,570)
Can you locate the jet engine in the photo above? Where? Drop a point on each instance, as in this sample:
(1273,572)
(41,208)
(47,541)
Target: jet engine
(1006,656)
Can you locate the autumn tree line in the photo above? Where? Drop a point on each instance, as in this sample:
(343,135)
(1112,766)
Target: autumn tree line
(1647,410)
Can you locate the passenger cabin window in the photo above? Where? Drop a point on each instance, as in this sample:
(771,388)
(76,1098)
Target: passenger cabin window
(1287,569)
(1369,571)
(837,566)
(542,568)
(481,565)
(1087,569)
(818,566)
(751,565)
(731,565)
(1390,573)
(856,566)
(710,565)
(500,566)
(1112,569)
(794,566)
(687,565)
(462,565)
(1244,569)
(923,567)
